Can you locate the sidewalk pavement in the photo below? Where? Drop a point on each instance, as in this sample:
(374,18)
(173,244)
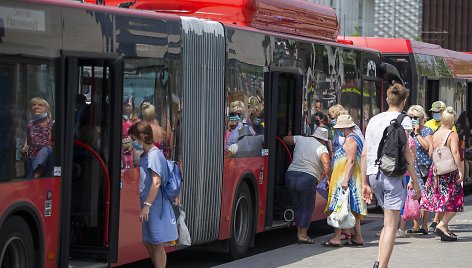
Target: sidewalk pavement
(412,251)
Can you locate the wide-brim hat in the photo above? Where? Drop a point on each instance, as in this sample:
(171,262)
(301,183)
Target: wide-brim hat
(344,121)
(321,133)
(438,106)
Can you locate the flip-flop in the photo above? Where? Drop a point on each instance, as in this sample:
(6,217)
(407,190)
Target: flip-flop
(353,243)
(444,237)
(330,244)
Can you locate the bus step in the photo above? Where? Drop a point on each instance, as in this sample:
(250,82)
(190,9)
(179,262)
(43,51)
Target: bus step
(86,264)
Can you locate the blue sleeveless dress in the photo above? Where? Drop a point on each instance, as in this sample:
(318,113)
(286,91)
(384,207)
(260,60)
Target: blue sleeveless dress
(161,226)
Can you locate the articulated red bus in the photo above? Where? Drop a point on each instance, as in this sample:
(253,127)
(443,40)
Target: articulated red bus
(431,72)
(73,78)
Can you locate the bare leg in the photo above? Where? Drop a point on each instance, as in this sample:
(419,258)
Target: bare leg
(150,250)
(416,224)
(336,239)
(425,216)
(160,257)
(402,224)
(387,238)
(444,223)
(357,228)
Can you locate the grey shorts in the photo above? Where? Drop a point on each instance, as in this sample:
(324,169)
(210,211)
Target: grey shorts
(390,192)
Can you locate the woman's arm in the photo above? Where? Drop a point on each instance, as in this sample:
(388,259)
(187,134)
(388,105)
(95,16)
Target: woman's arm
(153,190)
(327,166)
(350,147)
(424,142)
(454,145)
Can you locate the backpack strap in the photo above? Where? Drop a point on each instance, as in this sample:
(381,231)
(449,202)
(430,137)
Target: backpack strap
(400,118)
(440,125)
(447,137)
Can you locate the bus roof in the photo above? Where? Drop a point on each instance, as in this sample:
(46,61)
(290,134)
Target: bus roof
(295,17)
(460,63)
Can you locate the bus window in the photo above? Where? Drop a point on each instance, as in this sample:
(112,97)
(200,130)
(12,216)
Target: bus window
(146,97)
(244,107)
(26,119)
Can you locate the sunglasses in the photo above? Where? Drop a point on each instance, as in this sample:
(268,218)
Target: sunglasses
(414,117)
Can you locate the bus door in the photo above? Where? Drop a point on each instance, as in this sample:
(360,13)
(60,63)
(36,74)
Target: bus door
(372,99)
(432,94)
(284,91)
(92,158)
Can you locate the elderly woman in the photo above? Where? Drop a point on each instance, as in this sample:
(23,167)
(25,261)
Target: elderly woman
(310,156)
(38,140)
(338,139)
(254,122)
(347,174)
(444,193)
(422,136)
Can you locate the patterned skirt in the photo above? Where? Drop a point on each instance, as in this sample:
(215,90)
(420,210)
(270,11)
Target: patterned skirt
(442,193)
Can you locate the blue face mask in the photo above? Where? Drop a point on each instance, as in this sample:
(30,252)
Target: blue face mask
(437,116)
(333,122)
(340,133)
(415,121)
(257,121)
(38,117)
(137,146)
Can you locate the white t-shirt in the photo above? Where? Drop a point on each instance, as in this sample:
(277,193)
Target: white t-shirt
(374,133)
(307,156)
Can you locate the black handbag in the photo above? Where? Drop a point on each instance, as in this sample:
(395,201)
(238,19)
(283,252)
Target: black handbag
(424,171)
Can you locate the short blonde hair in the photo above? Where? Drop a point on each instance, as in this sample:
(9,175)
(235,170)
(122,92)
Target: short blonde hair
(148,111)
(336,110)
(237,107)
(448,117)
(418,110)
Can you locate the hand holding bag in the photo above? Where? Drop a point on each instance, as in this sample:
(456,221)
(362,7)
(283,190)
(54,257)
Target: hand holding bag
(411,210)
(443,160)
(342,217)
(184,234)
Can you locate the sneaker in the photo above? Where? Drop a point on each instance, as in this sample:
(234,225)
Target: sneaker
(432,227)
(400,234)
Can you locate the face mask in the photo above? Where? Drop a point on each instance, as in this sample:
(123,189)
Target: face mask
(415,121)
(257,121)
(341,134)
(437,116)
(333,122)
(38,117)
(317,122)
(137,146)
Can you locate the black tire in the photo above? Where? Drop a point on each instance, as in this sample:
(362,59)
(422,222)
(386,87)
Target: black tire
(242,223)
(16,244)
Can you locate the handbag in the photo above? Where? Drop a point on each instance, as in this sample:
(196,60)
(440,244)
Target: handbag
(342,216)
(411,210)
(443,160)
(424,171)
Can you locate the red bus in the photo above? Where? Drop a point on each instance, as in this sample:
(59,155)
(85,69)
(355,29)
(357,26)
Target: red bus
(432,73)
(89,67)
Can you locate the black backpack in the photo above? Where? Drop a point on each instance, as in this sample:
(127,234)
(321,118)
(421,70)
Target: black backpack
(391,152)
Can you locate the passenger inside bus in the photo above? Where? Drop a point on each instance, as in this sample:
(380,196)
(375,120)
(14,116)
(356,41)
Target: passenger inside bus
(248,145)
(236,114)
(129,118)
(254,122)
(36,149)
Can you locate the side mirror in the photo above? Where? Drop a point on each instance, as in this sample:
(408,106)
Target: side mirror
(388,72)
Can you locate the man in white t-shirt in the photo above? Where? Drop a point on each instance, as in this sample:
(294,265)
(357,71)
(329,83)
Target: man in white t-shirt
(390,192)
(310,157)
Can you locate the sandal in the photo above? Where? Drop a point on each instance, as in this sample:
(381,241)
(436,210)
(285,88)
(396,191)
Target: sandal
(345,236)
(444,237)
(330,244)
(353,243)
(305,241)
(413,231)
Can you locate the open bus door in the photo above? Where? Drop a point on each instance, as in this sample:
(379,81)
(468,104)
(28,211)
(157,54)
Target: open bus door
(284,109)
(92,148)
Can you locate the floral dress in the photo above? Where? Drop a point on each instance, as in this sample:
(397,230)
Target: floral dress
(442,193)
(358,206)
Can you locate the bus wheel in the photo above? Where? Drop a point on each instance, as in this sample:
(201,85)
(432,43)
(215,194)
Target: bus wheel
(16,244)
(242,223)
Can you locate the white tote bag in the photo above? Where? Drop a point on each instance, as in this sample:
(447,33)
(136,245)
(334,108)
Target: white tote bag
(342,216)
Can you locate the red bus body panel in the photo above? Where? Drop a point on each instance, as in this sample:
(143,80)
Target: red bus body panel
(130,241)
(34,192)
(295,17)
(233,170)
